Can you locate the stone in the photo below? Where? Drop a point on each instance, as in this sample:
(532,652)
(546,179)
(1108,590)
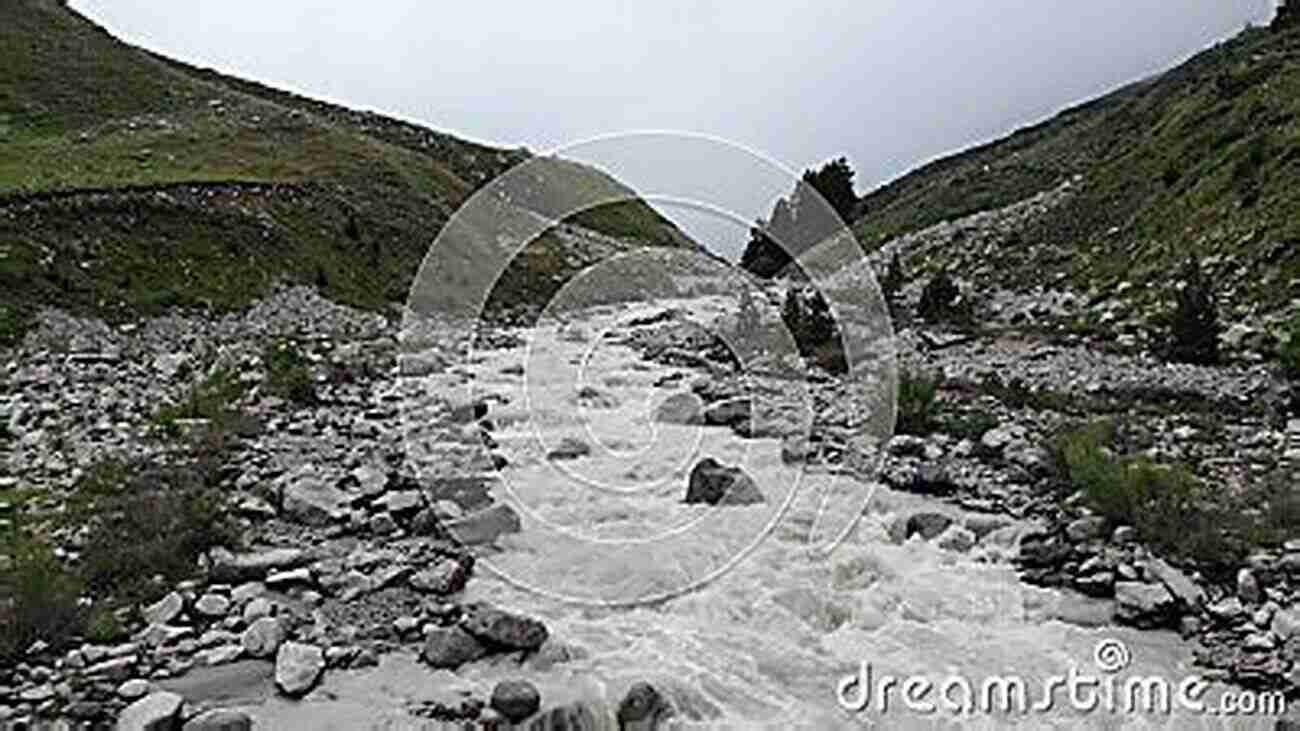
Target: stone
(1087,528)
(220,719)
(263,637)
(642,708)
(212,605)
(796,449)
(247,592)
(231,567)
(133,689)
(403,503)
(158,711)
(1226,609)
(497,627)
(1124,535)
(569,448)
(956,538)
(1099,584)
(1182,588)
(308,499)
(258,608)
(283,579)
(1286,622)
(732,412)
(451,647)
(165,610)
(1248,587)
(221,655)
(932,479)
(485,526)
(681,408)
(928,525)
(445,577)
(1142,605)
(712,483)
(298,667)
(515,699)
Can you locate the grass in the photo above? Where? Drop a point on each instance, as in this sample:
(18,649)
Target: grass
(917,403)
(1169,507)
(237,186)
(212,399)
(288,373)
(1196,161)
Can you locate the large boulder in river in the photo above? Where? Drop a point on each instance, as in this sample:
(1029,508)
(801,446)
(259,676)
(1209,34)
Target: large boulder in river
(716,484)
(503,629)
(297,668)
(160,711)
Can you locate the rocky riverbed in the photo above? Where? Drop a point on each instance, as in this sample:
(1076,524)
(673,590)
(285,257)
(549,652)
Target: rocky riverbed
(524,534)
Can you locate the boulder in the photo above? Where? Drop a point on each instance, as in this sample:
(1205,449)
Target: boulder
(681,408)
(225,566)
(160,711)
(263,637)
(445,577)
(929,525)
(569,448)
(165,610)
(1182,588)
(716,484)
(307,498)
(485,526)
(732,412)
(221,719)
(451,647)
(297,668)
(643,708)
(497,627)
(1143,605)
(515,699)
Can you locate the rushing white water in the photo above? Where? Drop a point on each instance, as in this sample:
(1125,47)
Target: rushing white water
(766,642)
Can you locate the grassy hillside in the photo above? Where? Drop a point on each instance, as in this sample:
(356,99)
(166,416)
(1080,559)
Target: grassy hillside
(1203,160)
(130,182)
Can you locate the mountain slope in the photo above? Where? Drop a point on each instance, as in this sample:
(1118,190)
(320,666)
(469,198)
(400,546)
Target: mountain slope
(1200,161)
(130,182)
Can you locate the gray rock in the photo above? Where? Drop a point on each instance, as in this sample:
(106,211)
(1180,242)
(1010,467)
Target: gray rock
(485,526)
(643,708)
(732,412)
(165,610)
(263,637)
(403,503)
(212,605)
(569,448)
(1182,588)
(446,577)
(1248,587)
(220,719)
(134,689)
(1087,528)
(497,627)
(155,712)
(515,699)
(309,499)
(298,667)
(231,567)
(929,525)
(715,484)
(681,408)
(956,538)
(1286,622)
(1143,605)
(451,647)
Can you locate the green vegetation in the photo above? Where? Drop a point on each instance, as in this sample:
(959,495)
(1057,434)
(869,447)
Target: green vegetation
(801,221)
(941,301)
(1169,507)
(918,403)
(971,424)
(212,399)
(288,373)
(1193,327)
(808,318)
(233,186)
(1196,161)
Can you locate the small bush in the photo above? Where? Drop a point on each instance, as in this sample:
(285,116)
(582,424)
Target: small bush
(808,318)
(1288,353)
(970,425)
(1193,328)
(1167,506)
(288,373)
(213,399)
(917,403)
(145,520)
(941,301)
(38,599)
(891,286)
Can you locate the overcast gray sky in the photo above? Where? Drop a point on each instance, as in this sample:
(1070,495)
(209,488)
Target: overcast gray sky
(888,83)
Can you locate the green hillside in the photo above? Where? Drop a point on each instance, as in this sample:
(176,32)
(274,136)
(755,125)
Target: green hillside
(1203,160)
(130,182)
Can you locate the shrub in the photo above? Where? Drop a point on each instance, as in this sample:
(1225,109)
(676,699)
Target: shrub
(808,318)
(145,520)
(1193,332)
(213,398)
(1288,353)
(38,599)
(1168,507)
(970,425)
(891,286)
(940,302)
(917,403)
(288,373)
